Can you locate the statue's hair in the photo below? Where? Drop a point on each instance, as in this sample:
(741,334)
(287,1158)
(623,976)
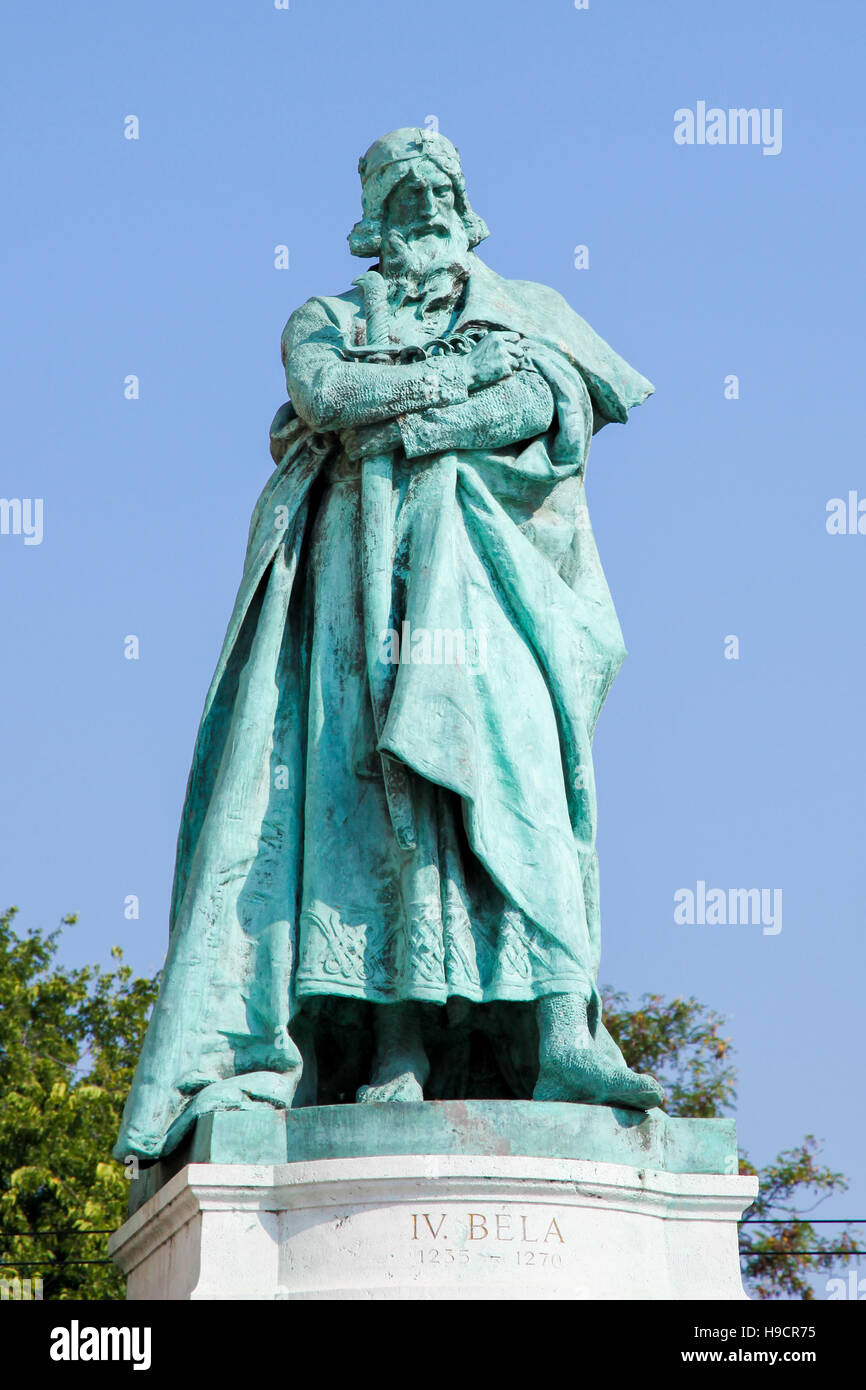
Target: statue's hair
(380,174)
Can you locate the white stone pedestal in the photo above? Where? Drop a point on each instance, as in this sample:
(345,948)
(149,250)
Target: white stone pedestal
(443,1226)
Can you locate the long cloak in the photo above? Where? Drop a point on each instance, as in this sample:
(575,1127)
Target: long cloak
(228,996)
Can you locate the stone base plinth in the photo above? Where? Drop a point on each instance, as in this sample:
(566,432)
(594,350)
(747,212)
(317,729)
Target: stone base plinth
(437,1226)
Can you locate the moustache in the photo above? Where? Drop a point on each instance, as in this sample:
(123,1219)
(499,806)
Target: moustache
(431,224)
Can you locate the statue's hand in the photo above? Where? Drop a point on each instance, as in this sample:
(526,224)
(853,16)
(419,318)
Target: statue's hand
(493,358)
(363,441)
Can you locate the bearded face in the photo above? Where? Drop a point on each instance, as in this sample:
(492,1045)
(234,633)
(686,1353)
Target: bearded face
(422,232)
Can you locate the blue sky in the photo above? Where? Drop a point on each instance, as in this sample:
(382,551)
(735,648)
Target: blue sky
(155,257)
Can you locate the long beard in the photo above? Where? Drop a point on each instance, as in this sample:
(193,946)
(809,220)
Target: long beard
(409,265)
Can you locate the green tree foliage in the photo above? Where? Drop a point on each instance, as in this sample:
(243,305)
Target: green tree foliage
(679,1042)
(773,1258)
(69,1040)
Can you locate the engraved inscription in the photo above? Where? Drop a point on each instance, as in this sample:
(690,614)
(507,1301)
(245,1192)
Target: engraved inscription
(527,1228)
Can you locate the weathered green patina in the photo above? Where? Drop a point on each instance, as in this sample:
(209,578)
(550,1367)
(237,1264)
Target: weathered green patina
(386,879)
(642,1139)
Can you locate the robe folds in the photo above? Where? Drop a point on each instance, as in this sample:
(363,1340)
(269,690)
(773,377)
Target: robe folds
(289,882)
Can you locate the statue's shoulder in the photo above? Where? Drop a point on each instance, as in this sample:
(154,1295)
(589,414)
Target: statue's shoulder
(543,295)
(538,304)
(321,317)
(545,303)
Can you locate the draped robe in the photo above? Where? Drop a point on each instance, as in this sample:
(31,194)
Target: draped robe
(289,883)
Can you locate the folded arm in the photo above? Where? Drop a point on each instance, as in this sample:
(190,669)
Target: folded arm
(330,393)
(517,408)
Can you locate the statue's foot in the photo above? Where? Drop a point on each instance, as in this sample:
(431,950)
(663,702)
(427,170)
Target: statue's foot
(400,1066)
(404,1087)
(581,1076)
(575,1064)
